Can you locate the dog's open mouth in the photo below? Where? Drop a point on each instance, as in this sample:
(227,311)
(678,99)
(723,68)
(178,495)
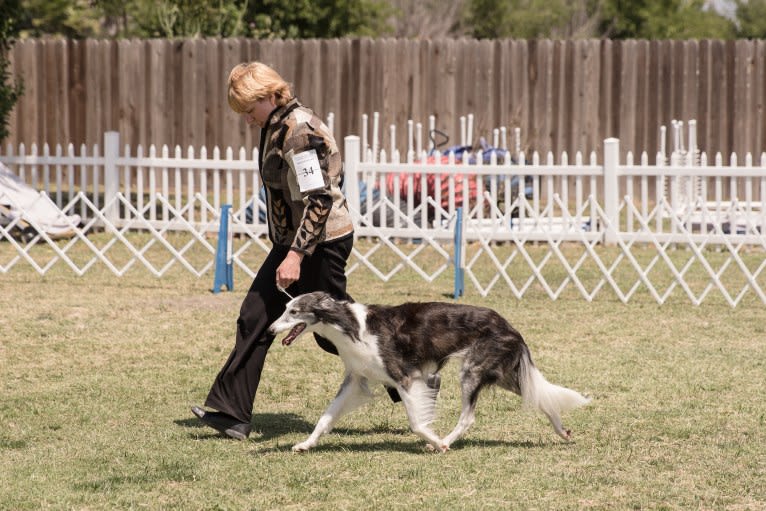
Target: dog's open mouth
(293,334)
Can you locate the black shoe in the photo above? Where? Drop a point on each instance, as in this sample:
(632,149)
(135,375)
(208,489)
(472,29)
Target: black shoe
(223,423)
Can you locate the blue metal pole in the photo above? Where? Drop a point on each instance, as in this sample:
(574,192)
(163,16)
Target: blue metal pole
(458,258)
(224,271)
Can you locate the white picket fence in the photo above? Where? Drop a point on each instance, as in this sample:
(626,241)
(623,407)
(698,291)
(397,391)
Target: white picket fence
(536,225)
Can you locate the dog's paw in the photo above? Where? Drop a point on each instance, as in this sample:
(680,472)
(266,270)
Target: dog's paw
(302,447)
(441,449)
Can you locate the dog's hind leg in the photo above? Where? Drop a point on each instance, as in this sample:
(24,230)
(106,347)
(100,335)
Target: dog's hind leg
(352,394)
(470,387)
(419,401)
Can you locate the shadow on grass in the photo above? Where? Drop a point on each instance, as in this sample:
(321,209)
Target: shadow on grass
(413,445)
(265,425)
(270,426)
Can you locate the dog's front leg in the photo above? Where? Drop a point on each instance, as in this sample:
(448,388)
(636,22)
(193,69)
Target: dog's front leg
(352,394)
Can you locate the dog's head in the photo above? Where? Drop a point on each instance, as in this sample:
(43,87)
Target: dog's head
(306,312)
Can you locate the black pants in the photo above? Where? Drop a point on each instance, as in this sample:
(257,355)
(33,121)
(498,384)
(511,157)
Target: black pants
(234,388)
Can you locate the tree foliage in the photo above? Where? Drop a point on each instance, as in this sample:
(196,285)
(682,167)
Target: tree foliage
(617,19)
(318,18)
(264,19)
(751,15)
(429,19)
(200,18)
(10,11)
(68,18)
(663,19)
(523,19)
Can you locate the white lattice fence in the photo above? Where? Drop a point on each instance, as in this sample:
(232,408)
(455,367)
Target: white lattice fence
(568,235)
(573,262)
(122,245)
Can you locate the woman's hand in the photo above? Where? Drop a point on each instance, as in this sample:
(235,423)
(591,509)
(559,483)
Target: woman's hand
(290,269)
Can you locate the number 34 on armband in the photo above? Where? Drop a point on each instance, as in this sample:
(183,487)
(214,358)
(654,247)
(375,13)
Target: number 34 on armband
(307,170)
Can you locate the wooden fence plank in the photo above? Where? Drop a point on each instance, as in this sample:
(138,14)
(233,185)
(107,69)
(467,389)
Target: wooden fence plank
(590,136)
(234,132)
(760,111)
(560,89)
(627,102)
(160,102)
(30,116)
(213,83)
(519,93)
(76,92)
(663,86)
(744,97)
(645,130)
(501,84)
(717,130)
(537,85)
(56,103)
(94,91)
(132,91)
(485,113)
(442,78)
(731,91)
(606,88)
(329,68)
(703,97)
(390,91)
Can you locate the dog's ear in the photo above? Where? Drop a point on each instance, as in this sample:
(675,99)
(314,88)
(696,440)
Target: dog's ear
(325,301)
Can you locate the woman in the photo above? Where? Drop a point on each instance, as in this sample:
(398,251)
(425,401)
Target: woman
(309,226)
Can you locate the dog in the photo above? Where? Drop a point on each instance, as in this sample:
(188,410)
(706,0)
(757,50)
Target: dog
(402,346)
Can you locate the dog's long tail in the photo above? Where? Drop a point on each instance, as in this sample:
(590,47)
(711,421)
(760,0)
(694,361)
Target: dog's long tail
(552,400)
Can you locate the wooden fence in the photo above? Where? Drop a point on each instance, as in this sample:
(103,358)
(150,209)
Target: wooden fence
(564,95)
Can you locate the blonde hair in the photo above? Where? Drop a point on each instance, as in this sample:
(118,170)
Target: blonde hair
(251,81)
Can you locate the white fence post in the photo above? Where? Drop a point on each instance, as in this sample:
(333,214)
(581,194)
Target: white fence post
(611,188)
(111,175)
(352,157)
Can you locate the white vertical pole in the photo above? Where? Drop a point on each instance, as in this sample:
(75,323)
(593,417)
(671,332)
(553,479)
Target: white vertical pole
(111,175)
(469,131)
(392,139)
(375,136)
(431,128)
(611,188)
(410,136)
(418,139)
(351,159)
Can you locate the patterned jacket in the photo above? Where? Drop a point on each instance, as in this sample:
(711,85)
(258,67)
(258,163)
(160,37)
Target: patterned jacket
(302,171)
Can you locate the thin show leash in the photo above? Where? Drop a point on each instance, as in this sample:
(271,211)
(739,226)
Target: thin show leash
(285,292)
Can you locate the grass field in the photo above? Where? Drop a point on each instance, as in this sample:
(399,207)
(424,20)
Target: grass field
(97,374)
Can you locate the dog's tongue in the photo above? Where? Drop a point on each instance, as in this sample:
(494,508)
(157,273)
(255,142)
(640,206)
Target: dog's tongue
(295,332)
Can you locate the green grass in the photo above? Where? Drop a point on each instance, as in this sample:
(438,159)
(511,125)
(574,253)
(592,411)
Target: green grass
(97,374)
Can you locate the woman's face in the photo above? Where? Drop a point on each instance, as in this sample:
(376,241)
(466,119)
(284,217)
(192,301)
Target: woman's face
(260,112)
